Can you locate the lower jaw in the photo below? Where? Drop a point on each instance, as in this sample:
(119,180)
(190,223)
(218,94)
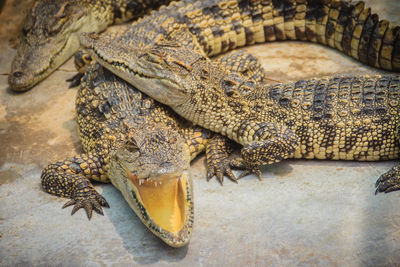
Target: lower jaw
(177,207)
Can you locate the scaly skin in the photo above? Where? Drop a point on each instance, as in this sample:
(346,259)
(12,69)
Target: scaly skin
(143,148)
(214,27)
(50,33)
(339,118)
(131,141)
(203,29)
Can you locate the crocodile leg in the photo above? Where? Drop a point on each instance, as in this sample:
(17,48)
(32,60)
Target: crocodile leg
(81,61)
(219,148)
(218,162)
(244,63)
(389,181)
(70,178)
(277,142)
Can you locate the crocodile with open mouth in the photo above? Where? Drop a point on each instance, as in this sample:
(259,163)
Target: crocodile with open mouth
(210,28)
(50,33)
(143,148)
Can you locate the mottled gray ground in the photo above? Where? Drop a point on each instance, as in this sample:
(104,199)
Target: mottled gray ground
(302,213)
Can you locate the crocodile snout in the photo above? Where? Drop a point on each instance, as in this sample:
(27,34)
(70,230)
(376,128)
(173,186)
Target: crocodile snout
(19,81)
(18,74)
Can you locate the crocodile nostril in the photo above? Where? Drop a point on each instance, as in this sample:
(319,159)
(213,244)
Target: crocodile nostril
(18,74)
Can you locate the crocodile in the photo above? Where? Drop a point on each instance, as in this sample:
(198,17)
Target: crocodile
(143,148)
(218,26)
(214,27)
(335,118)
(151,61)
(50,33)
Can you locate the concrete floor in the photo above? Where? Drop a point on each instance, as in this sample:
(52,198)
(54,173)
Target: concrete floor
(302,213)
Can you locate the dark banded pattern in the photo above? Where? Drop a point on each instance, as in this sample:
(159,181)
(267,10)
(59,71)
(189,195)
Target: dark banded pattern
(219,26)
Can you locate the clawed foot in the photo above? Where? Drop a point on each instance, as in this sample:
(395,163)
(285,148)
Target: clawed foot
(223,168)
(389,181)
(218,153)
(250,171)
(88,199)
(238,163)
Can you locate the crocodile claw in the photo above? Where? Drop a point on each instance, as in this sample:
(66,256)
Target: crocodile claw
(220,171)
(237,163)
(252,170)
(389,181)
(90,200)
(218,160)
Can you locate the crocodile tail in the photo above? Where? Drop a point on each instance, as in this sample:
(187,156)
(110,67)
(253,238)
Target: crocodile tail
(349,27)
(124,10)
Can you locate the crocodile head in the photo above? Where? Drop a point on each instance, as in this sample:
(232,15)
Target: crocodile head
(164,72)
(48,38)
(151,170)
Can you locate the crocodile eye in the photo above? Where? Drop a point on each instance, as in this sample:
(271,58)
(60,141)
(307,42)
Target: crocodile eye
(151,57)
(181,65)
(25,30)
(57,21)
(30,19)
(247,87)
(54,27)
(131,147)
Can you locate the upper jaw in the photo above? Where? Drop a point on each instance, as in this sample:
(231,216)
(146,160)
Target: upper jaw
(25,76)
(20,81)
(150,79)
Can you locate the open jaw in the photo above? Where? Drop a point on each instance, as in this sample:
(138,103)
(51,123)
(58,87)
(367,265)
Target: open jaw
(164,205)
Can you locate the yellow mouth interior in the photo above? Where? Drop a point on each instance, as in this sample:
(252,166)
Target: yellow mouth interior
(165,201)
